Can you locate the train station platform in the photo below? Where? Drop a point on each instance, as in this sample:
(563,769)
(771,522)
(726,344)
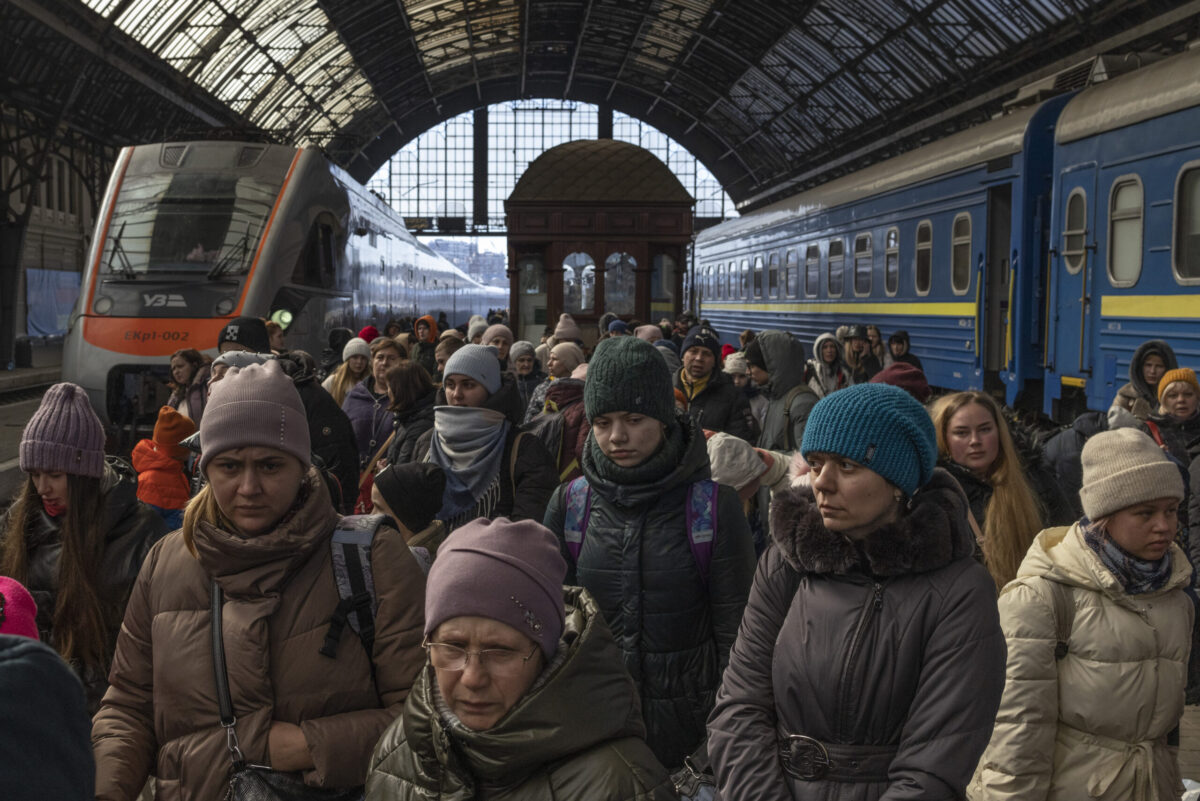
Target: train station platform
(20,393)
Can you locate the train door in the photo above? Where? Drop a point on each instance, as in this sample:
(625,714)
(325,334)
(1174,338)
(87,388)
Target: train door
(1074,317)
(998,287)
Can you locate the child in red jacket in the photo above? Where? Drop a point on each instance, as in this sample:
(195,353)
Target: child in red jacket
(162,483)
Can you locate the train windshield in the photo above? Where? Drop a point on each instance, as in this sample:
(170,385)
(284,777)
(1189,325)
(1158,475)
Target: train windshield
(189,224)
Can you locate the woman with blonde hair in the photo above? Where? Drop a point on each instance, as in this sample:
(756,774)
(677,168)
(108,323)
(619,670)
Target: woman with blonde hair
(355,366)
(976,446)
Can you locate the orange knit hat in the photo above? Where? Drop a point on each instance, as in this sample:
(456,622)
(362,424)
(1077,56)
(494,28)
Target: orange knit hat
(1184,374)
(170,428)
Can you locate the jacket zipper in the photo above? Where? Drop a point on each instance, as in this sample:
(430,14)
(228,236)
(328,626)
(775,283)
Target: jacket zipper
(864,618)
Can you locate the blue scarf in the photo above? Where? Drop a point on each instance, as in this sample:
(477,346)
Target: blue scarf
(468,444)
(1136,576)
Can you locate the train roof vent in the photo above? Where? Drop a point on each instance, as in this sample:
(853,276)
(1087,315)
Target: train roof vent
(249,156)
(1075,77)
(172,155)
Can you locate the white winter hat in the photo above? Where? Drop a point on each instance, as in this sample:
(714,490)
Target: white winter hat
(733,461)
(1122,468)
(356,347)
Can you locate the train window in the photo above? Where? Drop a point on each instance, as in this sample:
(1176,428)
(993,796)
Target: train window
(1125,231)
(720,288)
(812,270)
(960,254)
(745,278)
(1074,234)
(1187,227)
(864,255)
(758,276)
(793,274)
(837,267)
(315,267)
(733,280)
(924,262)
(891,262)
(773,275)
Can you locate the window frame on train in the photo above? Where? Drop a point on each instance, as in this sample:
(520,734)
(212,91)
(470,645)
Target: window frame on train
(864,256)
(924,247)
(959,245)
(841,267)
(773,274)
(1177,230)
(758,286)
(745,279)
(891,261)
(812,270)
(1069,253)
(1117,216)
(791,269)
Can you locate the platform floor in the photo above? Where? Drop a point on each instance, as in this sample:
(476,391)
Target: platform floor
(13,417)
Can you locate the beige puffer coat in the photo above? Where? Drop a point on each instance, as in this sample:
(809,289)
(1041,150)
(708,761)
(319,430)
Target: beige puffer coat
(1095,724)
(160,714)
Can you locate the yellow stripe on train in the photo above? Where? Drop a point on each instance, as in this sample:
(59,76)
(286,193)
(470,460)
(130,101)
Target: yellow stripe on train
(1150,306)
(931,308)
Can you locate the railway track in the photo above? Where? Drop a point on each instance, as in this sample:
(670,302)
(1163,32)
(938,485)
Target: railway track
(21,394)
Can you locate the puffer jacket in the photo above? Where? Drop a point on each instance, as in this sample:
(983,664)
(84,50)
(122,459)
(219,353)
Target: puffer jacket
(784,356)
(131,528)
(160,714)
(537,751)
(410,425)
(1064,454)
(1059,734)
(1137,396)
(1175,434)
(161,480)
(886,651)
(636,561)
(1055,509)
(721,406)
(332,439)
(370,417)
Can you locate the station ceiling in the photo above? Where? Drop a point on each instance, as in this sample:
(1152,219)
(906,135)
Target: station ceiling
(771,95)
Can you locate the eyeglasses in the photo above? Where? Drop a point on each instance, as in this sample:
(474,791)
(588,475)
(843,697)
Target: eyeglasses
(497,661)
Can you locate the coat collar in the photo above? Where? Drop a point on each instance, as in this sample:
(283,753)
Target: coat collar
(932,533)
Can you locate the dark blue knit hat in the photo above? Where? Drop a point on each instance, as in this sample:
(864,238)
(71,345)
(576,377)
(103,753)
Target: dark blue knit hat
(879,426)
(702,337)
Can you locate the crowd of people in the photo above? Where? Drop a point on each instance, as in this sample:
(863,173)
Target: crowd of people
(640,562)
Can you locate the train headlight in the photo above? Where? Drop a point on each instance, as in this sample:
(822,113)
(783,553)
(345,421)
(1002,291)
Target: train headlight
(224,306)
(103,305)
(282,318)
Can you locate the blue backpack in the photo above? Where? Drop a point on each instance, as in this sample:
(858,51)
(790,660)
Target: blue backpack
(701,520)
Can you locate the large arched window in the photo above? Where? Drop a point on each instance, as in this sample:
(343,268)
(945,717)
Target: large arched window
(620,283)
(579,283)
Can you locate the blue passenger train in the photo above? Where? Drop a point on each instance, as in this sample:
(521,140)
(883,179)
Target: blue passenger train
(1028,255)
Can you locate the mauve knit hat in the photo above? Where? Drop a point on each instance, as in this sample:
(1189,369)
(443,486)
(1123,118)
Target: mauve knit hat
(569,354)
(18,610)
(356,347)
(480,362)
(255,405)
(879,426)
(1122,468)
(64,435)
(567,329)
(504,570)
(497,330)
(628,374)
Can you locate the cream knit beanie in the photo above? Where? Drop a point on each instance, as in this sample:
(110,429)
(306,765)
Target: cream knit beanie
(1122,468)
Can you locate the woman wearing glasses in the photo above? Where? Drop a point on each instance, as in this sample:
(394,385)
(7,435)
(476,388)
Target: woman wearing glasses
(524,695)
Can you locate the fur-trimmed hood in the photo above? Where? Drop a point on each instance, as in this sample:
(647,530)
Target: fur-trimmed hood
(932,533)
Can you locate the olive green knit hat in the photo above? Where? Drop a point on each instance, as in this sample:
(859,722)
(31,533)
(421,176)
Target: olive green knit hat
(628,374)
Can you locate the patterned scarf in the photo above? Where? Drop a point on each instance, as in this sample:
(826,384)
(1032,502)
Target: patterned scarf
(1137,576)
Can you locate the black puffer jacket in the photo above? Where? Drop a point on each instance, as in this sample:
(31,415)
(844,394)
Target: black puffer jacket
(721,406)
(131,528)
(1064,454)
(1175,434)
(411,424)
(637,562)
(891,646)
(332,438)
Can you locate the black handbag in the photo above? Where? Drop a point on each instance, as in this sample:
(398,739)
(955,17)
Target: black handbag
(251,782)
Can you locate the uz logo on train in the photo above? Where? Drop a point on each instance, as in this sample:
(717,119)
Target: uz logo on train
(168,301)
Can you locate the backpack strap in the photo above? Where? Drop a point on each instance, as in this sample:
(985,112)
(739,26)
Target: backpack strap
(1064,616)
(1155,433)
(789,440)
(351,547)
(702,524)
(579,509)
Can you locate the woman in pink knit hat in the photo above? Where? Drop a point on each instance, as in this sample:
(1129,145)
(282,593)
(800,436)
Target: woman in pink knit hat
(76,534)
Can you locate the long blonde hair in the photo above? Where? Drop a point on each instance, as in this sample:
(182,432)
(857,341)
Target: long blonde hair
(1013,516)
(344,380)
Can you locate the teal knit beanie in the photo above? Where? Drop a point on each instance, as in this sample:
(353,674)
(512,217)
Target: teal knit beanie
(628,374)
(879,426)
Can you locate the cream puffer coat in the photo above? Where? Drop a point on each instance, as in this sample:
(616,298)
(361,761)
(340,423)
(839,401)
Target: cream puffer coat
(1095,724)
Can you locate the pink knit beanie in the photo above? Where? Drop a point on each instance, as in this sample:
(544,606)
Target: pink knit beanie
(255,405)
(64,435)
(18,612)
(509,571)
(567,329)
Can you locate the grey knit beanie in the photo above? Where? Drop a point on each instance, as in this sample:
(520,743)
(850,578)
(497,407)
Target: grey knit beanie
(476,329)
(255,405)
(520,348)
(1122,468)
(64,435)
(479,362)
(356,347)
(628,374)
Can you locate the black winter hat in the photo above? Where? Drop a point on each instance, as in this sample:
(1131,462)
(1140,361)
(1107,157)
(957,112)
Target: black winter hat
(249,332)
(702,337)
(413,491)
(857,332)
(754,355)
(628,374)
